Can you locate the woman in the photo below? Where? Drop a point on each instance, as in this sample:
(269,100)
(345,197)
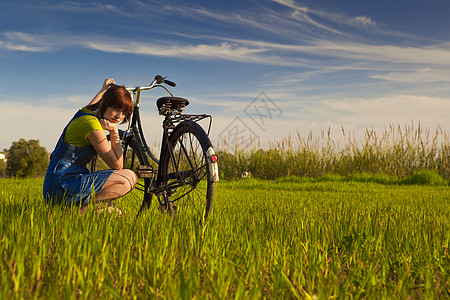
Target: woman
(68,179)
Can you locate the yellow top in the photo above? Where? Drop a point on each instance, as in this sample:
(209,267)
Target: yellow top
(80,128)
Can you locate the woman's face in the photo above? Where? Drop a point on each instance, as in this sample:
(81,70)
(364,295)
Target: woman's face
(114,115)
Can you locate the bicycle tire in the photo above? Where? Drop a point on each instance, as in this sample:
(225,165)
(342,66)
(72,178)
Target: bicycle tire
(133,202)
(194,187)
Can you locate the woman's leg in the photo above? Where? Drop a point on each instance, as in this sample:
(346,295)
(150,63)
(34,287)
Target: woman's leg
(118,184)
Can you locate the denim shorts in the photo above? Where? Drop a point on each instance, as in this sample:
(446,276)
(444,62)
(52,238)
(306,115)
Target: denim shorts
(74,189)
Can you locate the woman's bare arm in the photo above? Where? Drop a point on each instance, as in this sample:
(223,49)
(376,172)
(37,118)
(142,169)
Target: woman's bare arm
(110,153)
(105,86)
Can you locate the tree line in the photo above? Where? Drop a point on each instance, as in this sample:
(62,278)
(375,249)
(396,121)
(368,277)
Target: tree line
(24,159)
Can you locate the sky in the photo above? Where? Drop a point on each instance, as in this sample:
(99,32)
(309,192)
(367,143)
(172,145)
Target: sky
(265,70)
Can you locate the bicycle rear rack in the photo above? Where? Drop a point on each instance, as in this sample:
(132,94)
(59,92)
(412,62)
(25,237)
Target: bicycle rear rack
(194,118)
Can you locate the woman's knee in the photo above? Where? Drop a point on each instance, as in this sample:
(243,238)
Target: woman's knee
(128,177)
(132,177)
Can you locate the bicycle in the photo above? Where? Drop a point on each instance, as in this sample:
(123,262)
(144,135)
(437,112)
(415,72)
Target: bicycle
(187,167)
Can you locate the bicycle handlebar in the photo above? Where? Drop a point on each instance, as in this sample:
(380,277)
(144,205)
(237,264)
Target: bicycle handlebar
(158,80)
(171,83)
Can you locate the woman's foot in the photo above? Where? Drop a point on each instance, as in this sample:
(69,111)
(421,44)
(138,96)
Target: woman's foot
(110,208)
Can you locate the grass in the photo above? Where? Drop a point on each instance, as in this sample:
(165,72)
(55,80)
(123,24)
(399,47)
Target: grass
(325,237)
(397,151)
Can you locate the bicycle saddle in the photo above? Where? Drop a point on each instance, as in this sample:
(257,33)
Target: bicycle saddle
(166,105)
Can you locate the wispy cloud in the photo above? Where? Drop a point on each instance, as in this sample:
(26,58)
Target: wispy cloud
(424,75)
(308,15)
(363,20)
(250,51)
(20,41)
(225,51)
(385,62)
(89,7)
(22,47)
(432,54)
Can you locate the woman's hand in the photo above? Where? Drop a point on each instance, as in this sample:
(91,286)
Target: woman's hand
(107,83)
(105,86)
(107,125)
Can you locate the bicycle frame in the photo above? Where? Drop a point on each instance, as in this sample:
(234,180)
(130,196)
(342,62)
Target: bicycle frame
(135,130)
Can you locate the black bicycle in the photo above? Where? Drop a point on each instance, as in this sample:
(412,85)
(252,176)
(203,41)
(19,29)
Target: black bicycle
(183,177)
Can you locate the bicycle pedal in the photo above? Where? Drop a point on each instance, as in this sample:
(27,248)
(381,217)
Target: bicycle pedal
(145,172)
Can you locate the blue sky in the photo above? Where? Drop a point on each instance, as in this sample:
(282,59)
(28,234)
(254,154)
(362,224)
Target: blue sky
(269,69)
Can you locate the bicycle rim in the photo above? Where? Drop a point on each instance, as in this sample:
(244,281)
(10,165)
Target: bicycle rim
(186,173)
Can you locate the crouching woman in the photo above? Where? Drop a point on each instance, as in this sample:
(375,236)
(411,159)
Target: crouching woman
(68,179)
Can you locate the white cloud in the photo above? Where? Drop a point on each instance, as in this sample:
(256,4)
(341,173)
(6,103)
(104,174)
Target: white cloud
(268,53)
(21,47)
(303,14)
(251,51)
(420,66)
(363,20)
(438,54)
(90,7)
(424,75)
(288,3)
(224,50)
(21,41)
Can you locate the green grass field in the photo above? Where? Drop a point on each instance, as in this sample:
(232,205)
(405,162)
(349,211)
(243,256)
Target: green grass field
(291,238)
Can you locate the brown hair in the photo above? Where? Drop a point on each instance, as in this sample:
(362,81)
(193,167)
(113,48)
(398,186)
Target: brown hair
(115,96)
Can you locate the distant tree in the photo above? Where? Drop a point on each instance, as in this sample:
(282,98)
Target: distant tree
(2,168)
(26,159)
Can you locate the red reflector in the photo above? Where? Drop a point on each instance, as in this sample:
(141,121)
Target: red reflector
(214,158)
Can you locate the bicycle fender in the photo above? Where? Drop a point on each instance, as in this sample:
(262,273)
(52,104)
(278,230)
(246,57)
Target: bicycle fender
(213,166)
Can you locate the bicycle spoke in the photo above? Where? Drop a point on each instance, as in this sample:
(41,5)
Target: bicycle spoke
(187,156)
(192,149)
(131,202)
(192,196)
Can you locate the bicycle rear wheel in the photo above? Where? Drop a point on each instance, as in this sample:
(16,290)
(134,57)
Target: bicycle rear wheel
(139,197)
(187,173)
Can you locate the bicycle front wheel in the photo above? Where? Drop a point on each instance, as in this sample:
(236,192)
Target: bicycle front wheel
(186,171)
(139,197)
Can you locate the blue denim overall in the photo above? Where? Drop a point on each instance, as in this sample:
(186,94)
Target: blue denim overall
(68,180)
